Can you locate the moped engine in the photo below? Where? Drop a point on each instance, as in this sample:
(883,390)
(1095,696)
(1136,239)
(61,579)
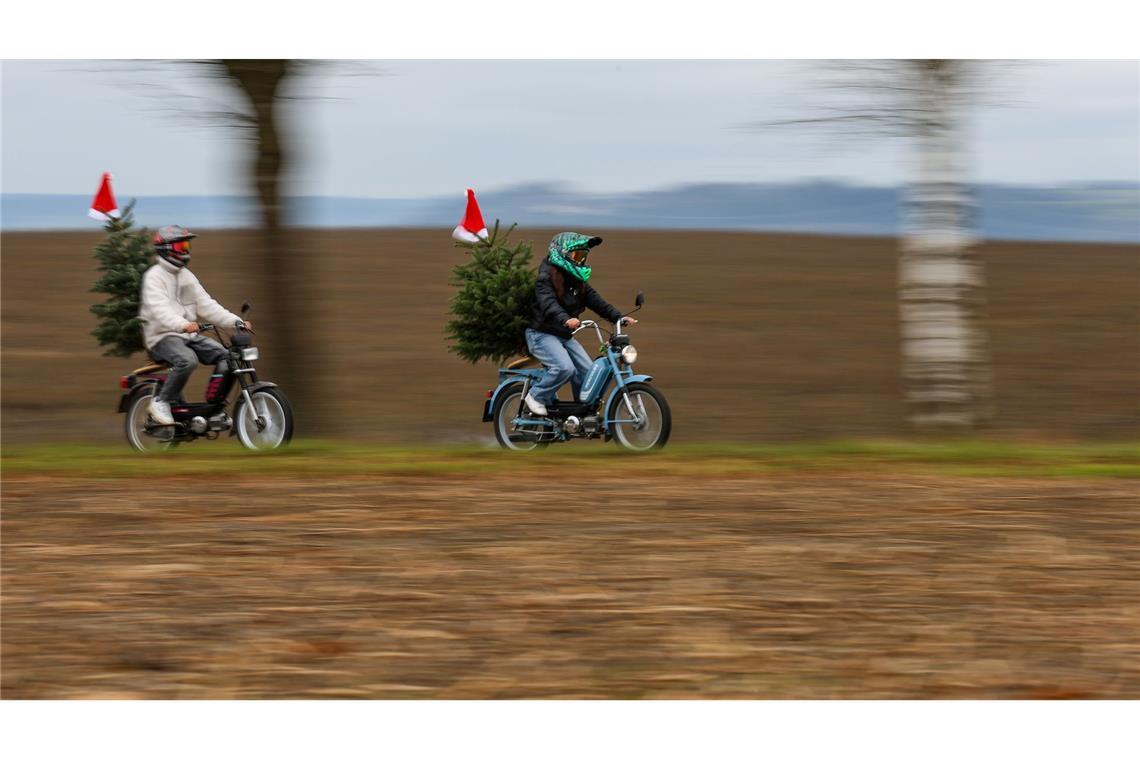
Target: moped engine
(219,422)
(587,426)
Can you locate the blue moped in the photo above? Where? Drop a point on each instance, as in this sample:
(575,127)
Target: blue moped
(613,403)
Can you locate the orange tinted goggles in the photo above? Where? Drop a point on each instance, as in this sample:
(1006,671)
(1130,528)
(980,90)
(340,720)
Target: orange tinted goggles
(182,246)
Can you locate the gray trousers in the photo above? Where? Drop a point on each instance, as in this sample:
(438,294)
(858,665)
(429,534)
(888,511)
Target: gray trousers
(183,355)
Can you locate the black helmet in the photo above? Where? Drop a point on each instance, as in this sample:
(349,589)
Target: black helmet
(173,244)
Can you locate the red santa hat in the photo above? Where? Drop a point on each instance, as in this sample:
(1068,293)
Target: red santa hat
(471,229)
(104,206)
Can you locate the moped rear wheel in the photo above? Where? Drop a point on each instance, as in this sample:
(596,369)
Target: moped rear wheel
(649,427)
(508,406)
(142,434)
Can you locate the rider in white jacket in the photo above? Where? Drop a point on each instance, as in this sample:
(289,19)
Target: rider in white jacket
(172,301)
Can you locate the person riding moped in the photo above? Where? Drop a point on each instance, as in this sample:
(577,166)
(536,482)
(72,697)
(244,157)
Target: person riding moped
(562,293)
(171,303)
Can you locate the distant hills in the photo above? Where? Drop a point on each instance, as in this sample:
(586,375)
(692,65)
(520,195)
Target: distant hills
(1094,211)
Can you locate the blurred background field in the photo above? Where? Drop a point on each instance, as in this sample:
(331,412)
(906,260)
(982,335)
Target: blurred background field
(753,337)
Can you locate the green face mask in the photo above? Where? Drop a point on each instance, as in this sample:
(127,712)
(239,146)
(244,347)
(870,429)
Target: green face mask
(563,244)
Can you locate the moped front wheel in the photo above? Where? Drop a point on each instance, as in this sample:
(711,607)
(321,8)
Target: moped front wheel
(266,424)
(142,434)
(508,406)
(641,419)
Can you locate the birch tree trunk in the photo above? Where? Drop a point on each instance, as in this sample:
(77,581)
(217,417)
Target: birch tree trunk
(945,360)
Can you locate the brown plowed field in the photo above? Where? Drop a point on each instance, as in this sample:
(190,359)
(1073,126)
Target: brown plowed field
(751,336)
(813,586)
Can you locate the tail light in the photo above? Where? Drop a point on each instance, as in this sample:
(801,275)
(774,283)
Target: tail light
(490,393)
(125,382)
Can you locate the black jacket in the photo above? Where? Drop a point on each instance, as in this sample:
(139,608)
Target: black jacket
(560,296)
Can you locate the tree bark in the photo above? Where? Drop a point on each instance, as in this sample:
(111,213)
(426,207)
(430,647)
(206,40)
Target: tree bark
(283,270)
(941,280)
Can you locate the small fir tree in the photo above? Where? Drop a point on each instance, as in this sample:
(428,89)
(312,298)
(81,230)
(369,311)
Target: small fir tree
(123,257)
(496,293)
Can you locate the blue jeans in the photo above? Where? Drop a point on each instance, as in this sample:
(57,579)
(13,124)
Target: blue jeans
(564,359)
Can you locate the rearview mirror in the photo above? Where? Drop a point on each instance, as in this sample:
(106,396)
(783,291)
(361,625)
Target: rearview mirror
(640,298)
(246,307)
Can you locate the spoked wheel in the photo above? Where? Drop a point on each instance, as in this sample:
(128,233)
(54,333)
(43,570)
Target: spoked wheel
(510,436)
(142,434)
(650,423)
(267,424)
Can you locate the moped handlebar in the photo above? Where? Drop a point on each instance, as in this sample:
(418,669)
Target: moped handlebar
(238,325)
(588,323)
(591,323)
(585,323)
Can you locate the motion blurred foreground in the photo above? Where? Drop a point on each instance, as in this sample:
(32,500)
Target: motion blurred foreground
(457,575)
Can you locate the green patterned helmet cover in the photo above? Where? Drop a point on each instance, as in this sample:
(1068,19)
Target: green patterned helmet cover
(567,242)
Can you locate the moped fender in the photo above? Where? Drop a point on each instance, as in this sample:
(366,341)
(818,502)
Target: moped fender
(508,379)
(636,379)
(615,396)
(129,393)
(259,385)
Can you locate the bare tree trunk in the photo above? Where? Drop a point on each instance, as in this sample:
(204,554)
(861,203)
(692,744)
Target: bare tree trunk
(941,280)
(282,266)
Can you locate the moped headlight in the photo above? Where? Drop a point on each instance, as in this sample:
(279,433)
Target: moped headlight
(629,354)
(250,354)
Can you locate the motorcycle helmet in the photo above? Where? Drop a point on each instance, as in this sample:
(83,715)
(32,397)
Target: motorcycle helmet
(173,244)
(569,251)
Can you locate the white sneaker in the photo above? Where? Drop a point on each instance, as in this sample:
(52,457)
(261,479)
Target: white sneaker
(160,411)
(534,406)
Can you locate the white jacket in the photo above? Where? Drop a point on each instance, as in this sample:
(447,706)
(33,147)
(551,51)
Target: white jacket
(172,298)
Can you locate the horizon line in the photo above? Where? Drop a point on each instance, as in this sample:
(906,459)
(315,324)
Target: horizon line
(569,187)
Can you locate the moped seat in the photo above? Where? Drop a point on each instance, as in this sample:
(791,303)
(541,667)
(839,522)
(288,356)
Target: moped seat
(151,368)
(524,362)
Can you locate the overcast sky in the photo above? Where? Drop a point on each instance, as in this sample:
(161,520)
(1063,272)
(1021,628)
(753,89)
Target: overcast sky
(421,128)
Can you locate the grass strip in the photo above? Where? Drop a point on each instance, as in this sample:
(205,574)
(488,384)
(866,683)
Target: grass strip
(335,458)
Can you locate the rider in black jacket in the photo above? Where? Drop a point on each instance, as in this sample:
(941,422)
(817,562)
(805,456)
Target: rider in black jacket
(559,297)
(561,294)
